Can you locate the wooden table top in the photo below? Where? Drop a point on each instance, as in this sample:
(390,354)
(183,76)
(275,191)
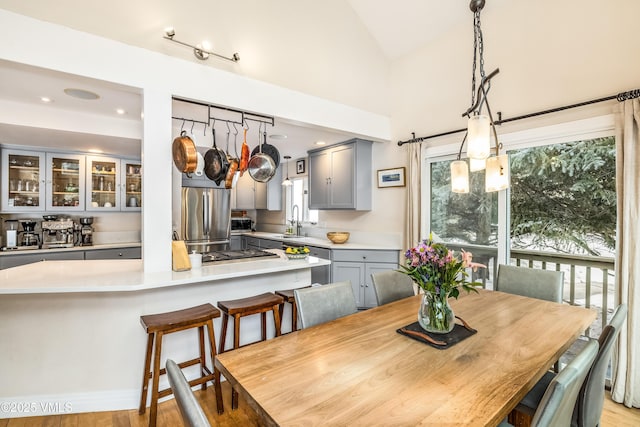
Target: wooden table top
(358,370)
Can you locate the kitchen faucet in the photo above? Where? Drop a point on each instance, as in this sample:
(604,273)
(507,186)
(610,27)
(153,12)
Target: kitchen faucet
(296,209)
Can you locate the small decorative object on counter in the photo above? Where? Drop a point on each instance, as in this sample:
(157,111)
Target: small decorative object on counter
(437,271)
(297,252)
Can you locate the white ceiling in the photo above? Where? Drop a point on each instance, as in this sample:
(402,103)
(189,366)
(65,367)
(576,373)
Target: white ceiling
(399,27)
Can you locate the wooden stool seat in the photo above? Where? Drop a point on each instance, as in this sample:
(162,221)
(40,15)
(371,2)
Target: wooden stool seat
(288,296)
(156,326)
(241,307)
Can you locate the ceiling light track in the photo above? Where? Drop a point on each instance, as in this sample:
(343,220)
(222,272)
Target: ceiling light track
(200,51)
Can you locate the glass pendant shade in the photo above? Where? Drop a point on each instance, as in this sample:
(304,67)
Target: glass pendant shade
(287,182)
(497,174)
(459,177)
(478,142)
(476,165)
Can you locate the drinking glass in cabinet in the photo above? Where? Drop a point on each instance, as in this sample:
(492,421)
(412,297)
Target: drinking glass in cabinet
(24,178)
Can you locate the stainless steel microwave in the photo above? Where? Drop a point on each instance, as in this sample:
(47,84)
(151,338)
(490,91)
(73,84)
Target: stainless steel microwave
(241,224)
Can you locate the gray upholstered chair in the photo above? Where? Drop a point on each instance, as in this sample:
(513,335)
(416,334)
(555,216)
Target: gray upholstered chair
(588,408)
(319,304)
(192,413)
(530,282)
(391,285)
(556,405)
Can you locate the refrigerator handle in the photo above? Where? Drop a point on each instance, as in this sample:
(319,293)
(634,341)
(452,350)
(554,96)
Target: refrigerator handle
(205,213)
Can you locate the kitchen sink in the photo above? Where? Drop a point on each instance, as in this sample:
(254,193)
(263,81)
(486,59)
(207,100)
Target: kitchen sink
(291,236)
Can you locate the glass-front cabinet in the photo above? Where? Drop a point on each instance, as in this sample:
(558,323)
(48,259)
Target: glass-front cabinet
(103,183)
(65,182)
(132,185)
(22,180)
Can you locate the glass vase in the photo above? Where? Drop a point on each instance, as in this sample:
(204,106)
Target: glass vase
(435,314)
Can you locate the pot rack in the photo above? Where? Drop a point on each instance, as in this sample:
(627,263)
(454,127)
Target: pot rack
(244,116)
(623,96)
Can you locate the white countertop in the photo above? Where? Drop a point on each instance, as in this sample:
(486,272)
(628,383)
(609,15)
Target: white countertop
(127,275)
(322,243)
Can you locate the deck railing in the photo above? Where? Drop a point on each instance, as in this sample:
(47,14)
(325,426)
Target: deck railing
(588,280)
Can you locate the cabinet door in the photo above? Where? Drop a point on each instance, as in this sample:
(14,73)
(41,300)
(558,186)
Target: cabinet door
(16,260)
(319,173)
(342,178)
(369,293)
(269,194)
(131,189)
(235,243)
(354,272)
(22,181)
(245,192)
(65,184)
(103,183)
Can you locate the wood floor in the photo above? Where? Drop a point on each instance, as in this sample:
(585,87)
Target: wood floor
(614,415)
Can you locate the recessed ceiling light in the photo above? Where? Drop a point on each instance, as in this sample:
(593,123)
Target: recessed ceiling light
(45,99)
(278,136)
(96,150)
(81,94)
(320,143)
(120,111)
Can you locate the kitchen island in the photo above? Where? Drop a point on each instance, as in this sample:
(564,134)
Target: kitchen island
(71,330)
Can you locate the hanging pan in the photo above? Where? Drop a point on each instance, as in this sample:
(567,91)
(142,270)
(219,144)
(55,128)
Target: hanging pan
(215,162)
(184,153)
(261,166)
(234,163)
(268,149)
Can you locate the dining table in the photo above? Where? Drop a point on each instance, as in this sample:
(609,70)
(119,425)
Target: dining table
(358,370)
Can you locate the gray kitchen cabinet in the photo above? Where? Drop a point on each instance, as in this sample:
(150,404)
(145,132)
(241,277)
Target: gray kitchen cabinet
(250,194)
(235,243)
(114,253)
(320,274)
(251,242)
(340,176)
(357,267)
(15,260)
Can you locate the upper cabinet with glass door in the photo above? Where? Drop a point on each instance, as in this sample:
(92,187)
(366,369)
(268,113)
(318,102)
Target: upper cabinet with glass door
(22,181)
(131,192)
(65,182)
(103,183)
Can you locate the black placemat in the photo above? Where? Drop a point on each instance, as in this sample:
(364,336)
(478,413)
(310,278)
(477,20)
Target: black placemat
(456,335)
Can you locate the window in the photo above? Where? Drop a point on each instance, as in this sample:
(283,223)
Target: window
(558,214)
(298,194)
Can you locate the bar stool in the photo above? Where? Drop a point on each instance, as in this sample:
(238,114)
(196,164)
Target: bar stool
(158,325)
(287,294)
(242,307)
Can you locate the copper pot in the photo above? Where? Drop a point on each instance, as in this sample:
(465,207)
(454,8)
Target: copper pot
(184,153)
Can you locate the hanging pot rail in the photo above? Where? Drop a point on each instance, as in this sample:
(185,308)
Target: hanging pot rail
(244,116)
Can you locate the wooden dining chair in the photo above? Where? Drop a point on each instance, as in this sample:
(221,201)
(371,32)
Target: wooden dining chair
(391,286)
(190,409)
(590,402)
(320,304)
(557,403)
(530,282)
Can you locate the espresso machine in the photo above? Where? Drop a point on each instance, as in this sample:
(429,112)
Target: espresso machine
(58,234)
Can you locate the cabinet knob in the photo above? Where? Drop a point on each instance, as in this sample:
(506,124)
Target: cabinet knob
(364,257)
(119,253)
(361,285)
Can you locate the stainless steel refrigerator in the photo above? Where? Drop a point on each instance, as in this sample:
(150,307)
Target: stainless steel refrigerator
(206,218)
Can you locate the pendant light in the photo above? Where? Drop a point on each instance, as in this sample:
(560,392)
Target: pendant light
(480,126)
(287,182)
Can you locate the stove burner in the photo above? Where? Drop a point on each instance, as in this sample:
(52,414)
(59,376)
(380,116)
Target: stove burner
(247,254)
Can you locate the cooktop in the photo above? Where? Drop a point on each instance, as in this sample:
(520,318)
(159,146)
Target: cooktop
(246,254)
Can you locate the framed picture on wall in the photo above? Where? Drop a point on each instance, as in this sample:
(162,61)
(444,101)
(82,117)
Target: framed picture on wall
(300,166)
(391,177)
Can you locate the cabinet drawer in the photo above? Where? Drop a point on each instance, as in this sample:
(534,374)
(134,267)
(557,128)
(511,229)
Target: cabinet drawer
(365,255)
(118,253)
(270,244)
(16,260)
(320,252)
(251,242)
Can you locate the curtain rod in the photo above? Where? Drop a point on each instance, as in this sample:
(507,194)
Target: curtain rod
(623,96)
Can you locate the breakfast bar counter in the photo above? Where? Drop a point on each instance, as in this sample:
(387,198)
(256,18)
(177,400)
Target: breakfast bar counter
(74,326)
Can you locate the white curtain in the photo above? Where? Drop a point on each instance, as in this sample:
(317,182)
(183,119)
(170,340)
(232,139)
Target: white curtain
(626,365)
(414,198)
